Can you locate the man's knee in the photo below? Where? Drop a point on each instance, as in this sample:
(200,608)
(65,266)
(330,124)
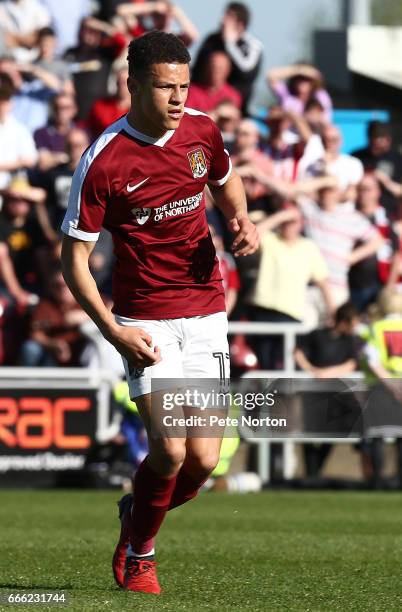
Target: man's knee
(168,455)
(202,464)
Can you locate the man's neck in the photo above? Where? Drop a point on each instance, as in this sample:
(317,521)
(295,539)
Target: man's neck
(332,155)
(329,208)
(143,126)
(62,128)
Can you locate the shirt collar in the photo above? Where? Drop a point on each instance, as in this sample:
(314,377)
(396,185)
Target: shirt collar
(159,142)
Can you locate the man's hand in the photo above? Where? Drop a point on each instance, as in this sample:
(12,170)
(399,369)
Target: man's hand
(134,344)
(230,30)
(247,239)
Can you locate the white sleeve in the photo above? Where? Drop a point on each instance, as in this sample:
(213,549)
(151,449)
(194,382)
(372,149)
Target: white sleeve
(356,170)
(42,17)
(245,61)
(26,144)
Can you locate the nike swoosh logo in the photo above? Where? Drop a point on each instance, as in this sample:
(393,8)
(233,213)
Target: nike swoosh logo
(131,188)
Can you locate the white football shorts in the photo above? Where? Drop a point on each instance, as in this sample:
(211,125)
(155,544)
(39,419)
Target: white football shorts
(191,348)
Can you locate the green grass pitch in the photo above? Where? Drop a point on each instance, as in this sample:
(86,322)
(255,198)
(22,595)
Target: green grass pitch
(299,551)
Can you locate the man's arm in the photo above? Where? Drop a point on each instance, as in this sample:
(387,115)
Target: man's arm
(50,80)
(187,26)
(287,189)
(330,372)
(302,361)
(9,277)
(302,128)
(342,368)
(326,294)
(230,198)
(286,72)
(273,221)
(133,343)
(368,248)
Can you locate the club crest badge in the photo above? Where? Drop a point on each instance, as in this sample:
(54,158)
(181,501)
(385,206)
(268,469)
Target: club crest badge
(141,215)
(198,163)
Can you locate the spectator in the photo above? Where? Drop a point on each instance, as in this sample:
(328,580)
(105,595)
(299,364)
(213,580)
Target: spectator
(330,352)
(243,49)
(247,152)
(165,16)
(22,241)
(107,110)
(289,262)
(347,169)
(228,269)
(54,337)
(335,228)
(383,409)
(291,160)
(90,65)
(368,276)
(17,149)
(215,88)
(295,86)
(34,90)
(21,21)
(50,140)
(47,43)
(314,114)
(66,18)
(227,117)
(57,180)
(380,155)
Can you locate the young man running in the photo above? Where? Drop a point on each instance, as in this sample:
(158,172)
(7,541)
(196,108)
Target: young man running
(143,179)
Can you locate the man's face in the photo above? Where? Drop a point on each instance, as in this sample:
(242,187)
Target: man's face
(328,198)
(380,145)
(218,69)
(368,194)
(76,143)
(246,135)
(64,108)
(5,108)
(17,206)
(304,88)
(47,47)
(291,230)
(332,139)
(161,97)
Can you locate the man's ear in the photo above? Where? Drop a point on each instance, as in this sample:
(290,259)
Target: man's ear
(132,85)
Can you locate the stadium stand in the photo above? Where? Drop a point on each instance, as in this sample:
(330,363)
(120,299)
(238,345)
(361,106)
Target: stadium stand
(322,183)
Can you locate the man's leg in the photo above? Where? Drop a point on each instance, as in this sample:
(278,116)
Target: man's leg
(142,514)
(153,483)
(153,486)
(202,456)
(205,356)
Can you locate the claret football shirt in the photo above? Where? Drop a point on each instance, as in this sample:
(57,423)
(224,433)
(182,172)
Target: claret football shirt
(149,193)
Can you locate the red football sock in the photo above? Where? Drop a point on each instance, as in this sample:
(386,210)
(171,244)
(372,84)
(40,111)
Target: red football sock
(152,494)
(186,488)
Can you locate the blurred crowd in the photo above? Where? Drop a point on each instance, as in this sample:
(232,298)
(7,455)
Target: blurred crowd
(330,223)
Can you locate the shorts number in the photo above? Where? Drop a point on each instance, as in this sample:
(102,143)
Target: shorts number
(222,370)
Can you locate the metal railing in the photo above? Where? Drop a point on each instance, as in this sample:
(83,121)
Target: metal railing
(289,331)
(289,444)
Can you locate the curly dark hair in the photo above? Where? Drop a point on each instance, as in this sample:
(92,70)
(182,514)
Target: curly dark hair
(241,11)
(155,48)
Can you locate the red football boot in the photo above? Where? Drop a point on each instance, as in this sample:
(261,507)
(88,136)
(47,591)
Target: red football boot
(141,576)
(119,557)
